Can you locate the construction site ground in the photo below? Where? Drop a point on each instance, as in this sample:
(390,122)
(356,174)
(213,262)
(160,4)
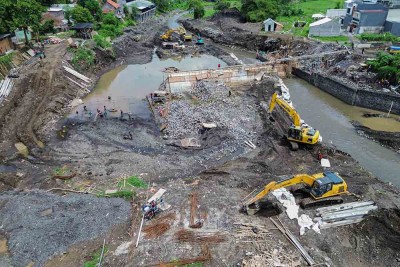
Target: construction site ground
(204,186)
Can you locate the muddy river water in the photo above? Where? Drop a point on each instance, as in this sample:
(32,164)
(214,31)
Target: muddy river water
(127,87)
(332,117)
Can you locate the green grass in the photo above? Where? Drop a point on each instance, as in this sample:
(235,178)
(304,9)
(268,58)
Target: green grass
(309,8)
(132,181)
(209,9)
(95,258)
(125,194)
(7,59)
(332,38)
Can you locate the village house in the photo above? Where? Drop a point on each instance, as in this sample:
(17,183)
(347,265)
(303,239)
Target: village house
(5,43)
(56,14)
(364,17)
(112,7)
(325,27)
(272,26)
(146,9)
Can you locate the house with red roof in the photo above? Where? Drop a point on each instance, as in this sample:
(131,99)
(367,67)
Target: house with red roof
(112,7)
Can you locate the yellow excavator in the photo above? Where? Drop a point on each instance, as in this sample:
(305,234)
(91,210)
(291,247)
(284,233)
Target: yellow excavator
(180,30)
(298,132)
(323,188)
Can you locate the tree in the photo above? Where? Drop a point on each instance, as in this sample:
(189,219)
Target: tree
(198,9)
(222,4)
(27,13)
(6,16)
(81,14)
(259,10)
(162,5)
(94,8)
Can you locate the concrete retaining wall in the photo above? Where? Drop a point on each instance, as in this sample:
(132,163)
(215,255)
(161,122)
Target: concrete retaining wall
(233,75)
(362,98)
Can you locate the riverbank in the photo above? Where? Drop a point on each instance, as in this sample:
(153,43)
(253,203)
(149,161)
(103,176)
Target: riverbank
(205,183)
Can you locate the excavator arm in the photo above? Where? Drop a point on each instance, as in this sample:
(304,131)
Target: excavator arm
(297,179)
(288,109)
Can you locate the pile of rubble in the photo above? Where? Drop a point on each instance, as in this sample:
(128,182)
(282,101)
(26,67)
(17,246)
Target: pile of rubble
(211,103)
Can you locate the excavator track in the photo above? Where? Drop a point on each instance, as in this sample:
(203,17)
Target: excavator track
(310,202)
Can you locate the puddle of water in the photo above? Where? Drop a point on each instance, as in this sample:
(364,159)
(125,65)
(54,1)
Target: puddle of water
(332,117)
(128,85)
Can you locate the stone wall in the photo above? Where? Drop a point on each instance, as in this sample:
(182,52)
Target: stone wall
(355,97)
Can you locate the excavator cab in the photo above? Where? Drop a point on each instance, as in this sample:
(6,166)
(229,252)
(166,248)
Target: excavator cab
(329,185)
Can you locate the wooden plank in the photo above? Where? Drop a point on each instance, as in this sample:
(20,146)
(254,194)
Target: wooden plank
(325,225)
(157,195)
(77,74)
(286,232)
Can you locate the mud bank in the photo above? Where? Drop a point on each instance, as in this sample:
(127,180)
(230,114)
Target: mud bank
(352,96)
(387,139)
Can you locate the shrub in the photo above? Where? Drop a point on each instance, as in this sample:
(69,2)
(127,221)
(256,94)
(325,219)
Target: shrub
(385,37)
(222,4)
(83,58)
(101,41)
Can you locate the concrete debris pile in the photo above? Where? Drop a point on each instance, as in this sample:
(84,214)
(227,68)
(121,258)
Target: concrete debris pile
(211,103)
(343,214)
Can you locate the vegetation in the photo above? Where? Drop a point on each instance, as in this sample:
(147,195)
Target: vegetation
(222,4)
(80,14)
(302,11)
(83,58)
(101,41)
(94,8)
(332,38)
(387,67)
(132,181)
(20,14)
(125,194)
(6,60)
(384,37)
(95,258)
(198,8)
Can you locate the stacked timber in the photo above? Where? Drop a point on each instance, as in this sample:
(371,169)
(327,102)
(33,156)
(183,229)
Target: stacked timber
(84,82)
(344,214)
(5,88)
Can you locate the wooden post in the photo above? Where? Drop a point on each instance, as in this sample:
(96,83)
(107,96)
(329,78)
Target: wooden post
(390,110)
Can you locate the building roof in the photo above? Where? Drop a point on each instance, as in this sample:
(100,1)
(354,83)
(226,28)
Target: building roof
(271,20)
(4,35)
(316,16)
(63,6)
(142,4)
(82,26)
(331,13)
(365,6)
(319,22)
(54,9)
(113,4)
(394,15)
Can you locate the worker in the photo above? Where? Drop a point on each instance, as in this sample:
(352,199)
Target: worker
(109,97)
(77,113)
(122,114)
(219,65)
(84,108)
(362,51)
(319,156)
(229,93)
(130,136)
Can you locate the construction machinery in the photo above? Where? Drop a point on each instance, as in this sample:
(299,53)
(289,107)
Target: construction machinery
(167,36)
(200,40)
(298,132)
(322,189)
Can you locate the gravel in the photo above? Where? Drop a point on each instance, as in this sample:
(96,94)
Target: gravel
(211,104)
(40,224)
